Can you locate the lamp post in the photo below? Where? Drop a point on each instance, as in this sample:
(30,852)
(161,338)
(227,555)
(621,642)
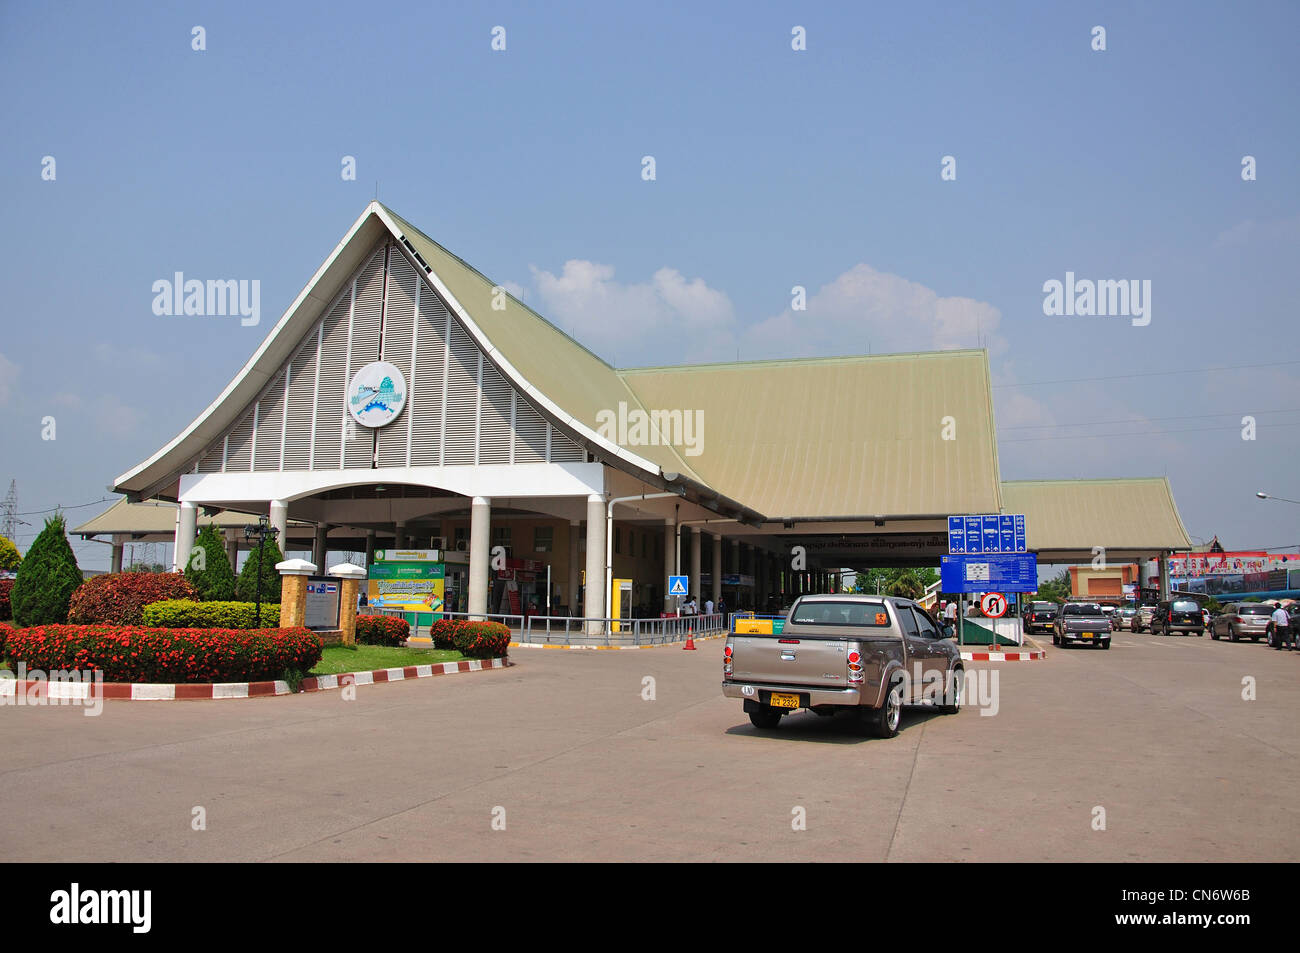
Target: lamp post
(1281,499)
(259,531)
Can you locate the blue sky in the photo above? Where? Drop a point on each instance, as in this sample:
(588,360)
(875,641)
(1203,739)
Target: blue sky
(775,168)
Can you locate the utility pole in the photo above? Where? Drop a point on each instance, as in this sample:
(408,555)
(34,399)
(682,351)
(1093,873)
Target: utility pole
(10,510)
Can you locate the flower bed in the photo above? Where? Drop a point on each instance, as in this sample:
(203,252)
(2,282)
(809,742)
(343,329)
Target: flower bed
(138,654)
(472,639)
(382,630)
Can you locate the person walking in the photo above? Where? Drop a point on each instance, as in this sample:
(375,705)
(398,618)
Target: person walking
(708,607)
(1281,626)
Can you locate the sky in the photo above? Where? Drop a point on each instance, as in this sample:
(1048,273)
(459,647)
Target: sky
(129,155)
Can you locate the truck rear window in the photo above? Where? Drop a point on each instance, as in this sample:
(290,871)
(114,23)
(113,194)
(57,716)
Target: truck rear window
(1255,610)
(841,613)
(1186,605)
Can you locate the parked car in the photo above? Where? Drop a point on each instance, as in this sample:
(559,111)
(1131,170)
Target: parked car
(1082,622)
(868,655)
(1039,616)
(1178,615)
(1123,618)
(1241,620)
(1142,621)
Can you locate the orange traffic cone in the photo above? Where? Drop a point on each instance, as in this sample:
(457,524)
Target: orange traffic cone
(690,639)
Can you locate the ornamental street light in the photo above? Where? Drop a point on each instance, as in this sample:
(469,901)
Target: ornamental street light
(259,531)
(1282,499)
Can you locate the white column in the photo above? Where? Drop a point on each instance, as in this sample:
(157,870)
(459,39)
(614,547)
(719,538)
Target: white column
(115,563)
(695,567)
(574,573)
(594,599)
(232,548)
(716,569)
(280,520)
(1164,577)
(480,541)
(186,522)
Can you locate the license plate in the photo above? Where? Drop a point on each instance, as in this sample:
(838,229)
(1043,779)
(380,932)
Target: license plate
(1086,635)
(784,701)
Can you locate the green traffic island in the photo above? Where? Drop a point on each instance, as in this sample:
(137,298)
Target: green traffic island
(342,659)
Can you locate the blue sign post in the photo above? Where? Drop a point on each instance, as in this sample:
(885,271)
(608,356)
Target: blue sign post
(988,572)
(991,533)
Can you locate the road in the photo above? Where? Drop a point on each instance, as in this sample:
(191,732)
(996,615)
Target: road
(564,748)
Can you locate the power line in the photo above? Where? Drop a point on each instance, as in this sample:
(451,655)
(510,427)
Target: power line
(56,509)
(1142,420)
(1120,377)
(1130,433)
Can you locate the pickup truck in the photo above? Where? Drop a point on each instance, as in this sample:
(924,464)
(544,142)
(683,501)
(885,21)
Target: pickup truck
(1082,622)
(869,655)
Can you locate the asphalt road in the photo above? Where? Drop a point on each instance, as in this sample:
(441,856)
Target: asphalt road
(564,748)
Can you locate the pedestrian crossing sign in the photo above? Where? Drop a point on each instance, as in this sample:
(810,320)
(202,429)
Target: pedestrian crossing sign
(676,585)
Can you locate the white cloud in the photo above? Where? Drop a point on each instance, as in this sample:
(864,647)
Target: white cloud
(668,319)
(865,310)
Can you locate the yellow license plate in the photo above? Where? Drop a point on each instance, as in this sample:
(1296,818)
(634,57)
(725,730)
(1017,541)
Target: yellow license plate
(784,701)
(1086,635)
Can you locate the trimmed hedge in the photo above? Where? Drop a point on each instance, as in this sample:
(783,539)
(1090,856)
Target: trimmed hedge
(472,639)
(119,598)
(137,654)
(382,630)
(6,611)
(190,614)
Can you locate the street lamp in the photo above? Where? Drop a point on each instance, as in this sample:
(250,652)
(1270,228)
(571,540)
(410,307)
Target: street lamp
(1266,496)
(259,531)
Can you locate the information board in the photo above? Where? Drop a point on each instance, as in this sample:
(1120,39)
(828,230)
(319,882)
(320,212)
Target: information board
(322,607)
(990,533)
(1004,572)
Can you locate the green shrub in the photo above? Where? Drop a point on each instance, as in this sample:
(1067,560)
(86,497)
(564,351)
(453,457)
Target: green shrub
(482,640)
(138,654)
(246,588)
(47,577)
(215,581)
(443,632)
(119,598)
(382,630)
(9,558)
(190,614)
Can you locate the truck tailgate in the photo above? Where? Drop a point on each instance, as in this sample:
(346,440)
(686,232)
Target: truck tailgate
(773,660)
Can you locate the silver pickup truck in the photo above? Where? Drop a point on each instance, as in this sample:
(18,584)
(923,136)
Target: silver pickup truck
(868,654)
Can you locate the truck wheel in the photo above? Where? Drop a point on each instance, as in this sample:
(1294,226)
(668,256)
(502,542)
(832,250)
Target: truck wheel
(1105,643)
(767,717)
(953,692)
(883,721)
(1056,639)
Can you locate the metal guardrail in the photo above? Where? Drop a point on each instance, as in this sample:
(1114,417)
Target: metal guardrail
(564,629)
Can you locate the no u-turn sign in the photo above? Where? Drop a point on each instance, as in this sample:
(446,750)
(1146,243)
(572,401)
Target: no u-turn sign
(994,605)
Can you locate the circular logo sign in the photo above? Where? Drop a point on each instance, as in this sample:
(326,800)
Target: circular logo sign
(376,394)
(994,605)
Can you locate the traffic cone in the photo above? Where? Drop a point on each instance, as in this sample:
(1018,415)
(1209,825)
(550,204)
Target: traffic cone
(690,638)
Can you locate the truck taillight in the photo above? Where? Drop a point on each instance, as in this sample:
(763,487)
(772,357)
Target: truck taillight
(726,659)
(1171,616)
(855,667)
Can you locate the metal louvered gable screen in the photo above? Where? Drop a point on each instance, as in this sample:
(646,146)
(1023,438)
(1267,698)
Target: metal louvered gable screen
(425,408)
(210,462)
(564,450)
(239,452)
(462,399)
(270,425)
(494,417)
(530,433)
(302,404)
(363,348)
(330,410)
(399,329)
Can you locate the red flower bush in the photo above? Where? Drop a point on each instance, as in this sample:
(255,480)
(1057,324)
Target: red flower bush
(6,611)
(382,630)
(5,629)
(137,654)
(119,598)
(482,640)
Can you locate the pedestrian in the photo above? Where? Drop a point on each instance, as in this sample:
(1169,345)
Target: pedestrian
(722,606)
(950,613)
(1281,626)
(708,607)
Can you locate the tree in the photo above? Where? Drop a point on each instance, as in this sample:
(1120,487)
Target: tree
(208,569)
(907,584)
(1056,589)
(9,558)
(47,577)
(246,589)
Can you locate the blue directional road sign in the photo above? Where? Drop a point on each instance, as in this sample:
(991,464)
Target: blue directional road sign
(991,533)
(677,585)
(994,572)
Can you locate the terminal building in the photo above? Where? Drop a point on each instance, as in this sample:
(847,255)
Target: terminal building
(405,401)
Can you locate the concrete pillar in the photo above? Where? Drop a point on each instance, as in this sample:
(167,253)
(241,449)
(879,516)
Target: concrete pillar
(670,562)
(399,537)
(370,548)
(115,561)
(574,569)
(695,566)
(1164,577)
(293,591)
(716,569)
(594,591)
(279,515)
(319,547)
(480,542)
(232,547)
(186,524)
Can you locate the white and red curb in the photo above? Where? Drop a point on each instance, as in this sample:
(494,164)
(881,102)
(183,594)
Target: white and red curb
(1003,656)
(145,691)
